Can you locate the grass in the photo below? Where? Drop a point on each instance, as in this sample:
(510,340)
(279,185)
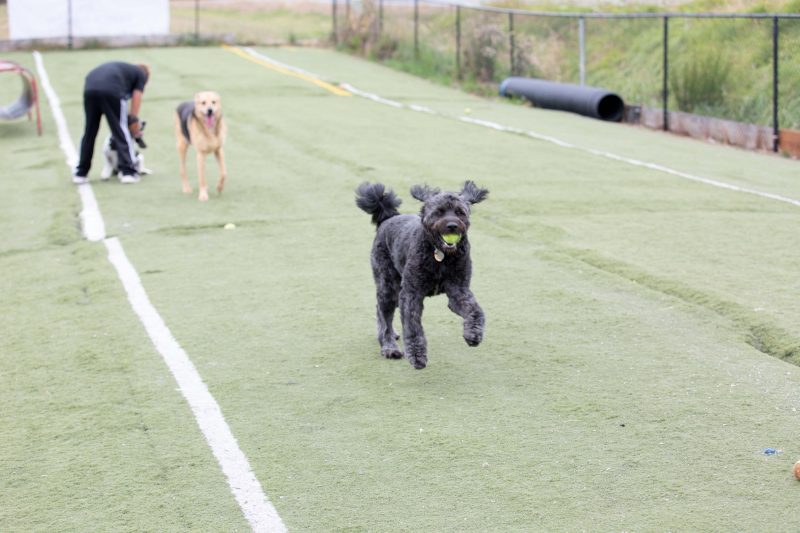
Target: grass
(623,383)
(624,56)
(254,24)
(4,21)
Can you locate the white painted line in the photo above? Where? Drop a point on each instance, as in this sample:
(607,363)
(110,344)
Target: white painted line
(370,96)
(243,483)
(55,105)
(92,225)
(547,138)
(296,70)
(421,109)
(707,181)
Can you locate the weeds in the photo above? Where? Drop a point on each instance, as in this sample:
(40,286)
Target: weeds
(359,33)
(624,56)
(481,51)
(701,82)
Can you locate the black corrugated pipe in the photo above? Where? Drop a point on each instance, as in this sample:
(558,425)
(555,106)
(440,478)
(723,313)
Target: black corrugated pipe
(588,101)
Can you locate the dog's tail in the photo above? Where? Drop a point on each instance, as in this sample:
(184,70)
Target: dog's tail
(378,201)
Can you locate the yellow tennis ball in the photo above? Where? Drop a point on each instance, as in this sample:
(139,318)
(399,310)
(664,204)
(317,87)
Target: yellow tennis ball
(451,238)
(230,225)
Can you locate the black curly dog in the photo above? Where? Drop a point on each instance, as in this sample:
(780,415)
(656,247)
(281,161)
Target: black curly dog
(411,260)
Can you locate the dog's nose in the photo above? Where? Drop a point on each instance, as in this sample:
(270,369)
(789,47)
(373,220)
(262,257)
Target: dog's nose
(210,112)
(452,226)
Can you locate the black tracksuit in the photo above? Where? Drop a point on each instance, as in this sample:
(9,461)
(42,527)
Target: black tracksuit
(106,92)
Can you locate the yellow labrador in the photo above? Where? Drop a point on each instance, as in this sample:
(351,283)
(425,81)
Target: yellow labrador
(200,123)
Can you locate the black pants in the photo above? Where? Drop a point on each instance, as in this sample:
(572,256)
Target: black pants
(95,105)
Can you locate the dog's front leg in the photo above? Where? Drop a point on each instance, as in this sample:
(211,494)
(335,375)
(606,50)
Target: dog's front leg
(220,155)
(463,303)
(201,176)
(415,344)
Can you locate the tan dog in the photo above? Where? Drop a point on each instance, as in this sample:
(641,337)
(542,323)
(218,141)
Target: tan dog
(200,123)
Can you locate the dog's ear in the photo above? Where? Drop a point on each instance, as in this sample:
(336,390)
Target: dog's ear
(472,193)
(423,192)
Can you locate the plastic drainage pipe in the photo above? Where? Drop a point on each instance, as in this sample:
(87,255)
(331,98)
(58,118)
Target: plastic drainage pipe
(588,101)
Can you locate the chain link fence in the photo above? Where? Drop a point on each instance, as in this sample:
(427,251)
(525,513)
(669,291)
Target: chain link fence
(267,22)
(728,78)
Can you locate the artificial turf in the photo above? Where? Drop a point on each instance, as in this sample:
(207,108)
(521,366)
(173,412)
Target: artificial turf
(630,378)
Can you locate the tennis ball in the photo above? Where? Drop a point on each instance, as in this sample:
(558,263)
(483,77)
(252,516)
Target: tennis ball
(230,225)
(451,238)
(796,470)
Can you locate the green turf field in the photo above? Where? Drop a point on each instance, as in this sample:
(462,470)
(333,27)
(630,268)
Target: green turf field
(630,379)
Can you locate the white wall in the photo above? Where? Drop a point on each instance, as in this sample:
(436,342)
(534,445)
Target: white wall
(38,19)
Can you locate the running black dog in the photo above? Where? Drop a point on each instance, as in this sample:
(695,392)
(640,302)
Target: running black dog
(415,256)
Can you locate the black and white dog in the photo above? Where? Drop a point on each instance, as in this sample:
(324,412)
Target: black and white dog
(415,256)
(111,159)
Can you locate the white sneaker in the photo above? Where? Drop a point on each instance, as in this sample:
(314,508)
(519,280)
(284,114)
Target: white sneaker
(79,180)
(129,178)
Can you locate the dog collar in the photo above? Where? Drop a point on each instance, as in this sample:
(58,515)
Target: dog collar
(438,255)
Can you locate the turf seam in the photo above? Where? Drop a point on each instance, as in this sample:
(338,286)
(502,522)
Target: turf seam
(765,337)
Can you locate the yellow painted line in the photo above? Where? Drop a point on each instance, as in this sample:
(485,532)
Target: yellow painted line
(277,68)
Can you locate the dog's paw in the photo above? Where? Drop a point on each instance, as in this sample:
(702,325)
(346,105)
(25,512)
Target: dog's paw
(203,196)
(418,361)
(187,189)
(392,353)
(473,336)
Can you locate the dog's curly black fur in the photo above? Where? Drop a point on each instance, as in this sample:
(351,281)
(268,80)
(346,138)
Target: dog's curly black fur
(411,260)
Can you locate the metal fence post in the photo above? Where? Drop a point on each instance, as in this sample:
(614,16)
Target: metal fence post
(69,24)
(458,42)
(416,29)
(511,41)
(665,88)
(582,47)
(196,21)
(776,132)
(335,32)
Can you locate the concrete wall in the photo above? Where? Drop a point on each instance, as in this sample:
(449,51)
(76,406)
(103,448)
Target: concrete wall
(42,19)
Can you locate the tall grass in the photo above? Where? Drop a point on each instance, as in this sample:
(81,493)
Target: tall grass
(718,67)
(701,82)
(3,21)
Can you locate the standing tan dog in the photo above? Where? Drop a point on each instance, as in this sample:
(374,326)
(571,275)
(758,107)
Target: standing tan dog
(200,123)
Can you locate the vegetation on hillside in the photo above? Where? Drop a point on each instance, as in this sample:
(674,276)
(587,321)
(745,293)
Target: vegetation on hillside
(717,67)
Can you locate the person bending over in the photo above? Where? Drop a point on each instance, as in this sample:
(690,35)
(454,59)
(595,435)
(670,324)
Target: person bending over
(106,91)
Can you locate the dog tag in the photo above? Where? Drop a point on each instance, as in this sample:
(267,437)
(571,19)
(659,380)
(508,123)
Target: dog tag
(438,255)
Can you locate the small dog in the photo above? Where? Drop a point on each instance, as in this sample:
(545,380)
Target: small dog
(111,158)
(415,256)
(200,123)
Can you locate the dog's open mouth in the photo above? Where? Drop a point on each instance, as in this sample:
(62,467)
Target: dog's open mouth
(450,241)
(210,121)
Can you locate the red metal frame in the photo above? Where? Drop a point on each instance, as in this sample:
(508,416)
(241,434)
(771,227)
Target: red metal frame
(10,66)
